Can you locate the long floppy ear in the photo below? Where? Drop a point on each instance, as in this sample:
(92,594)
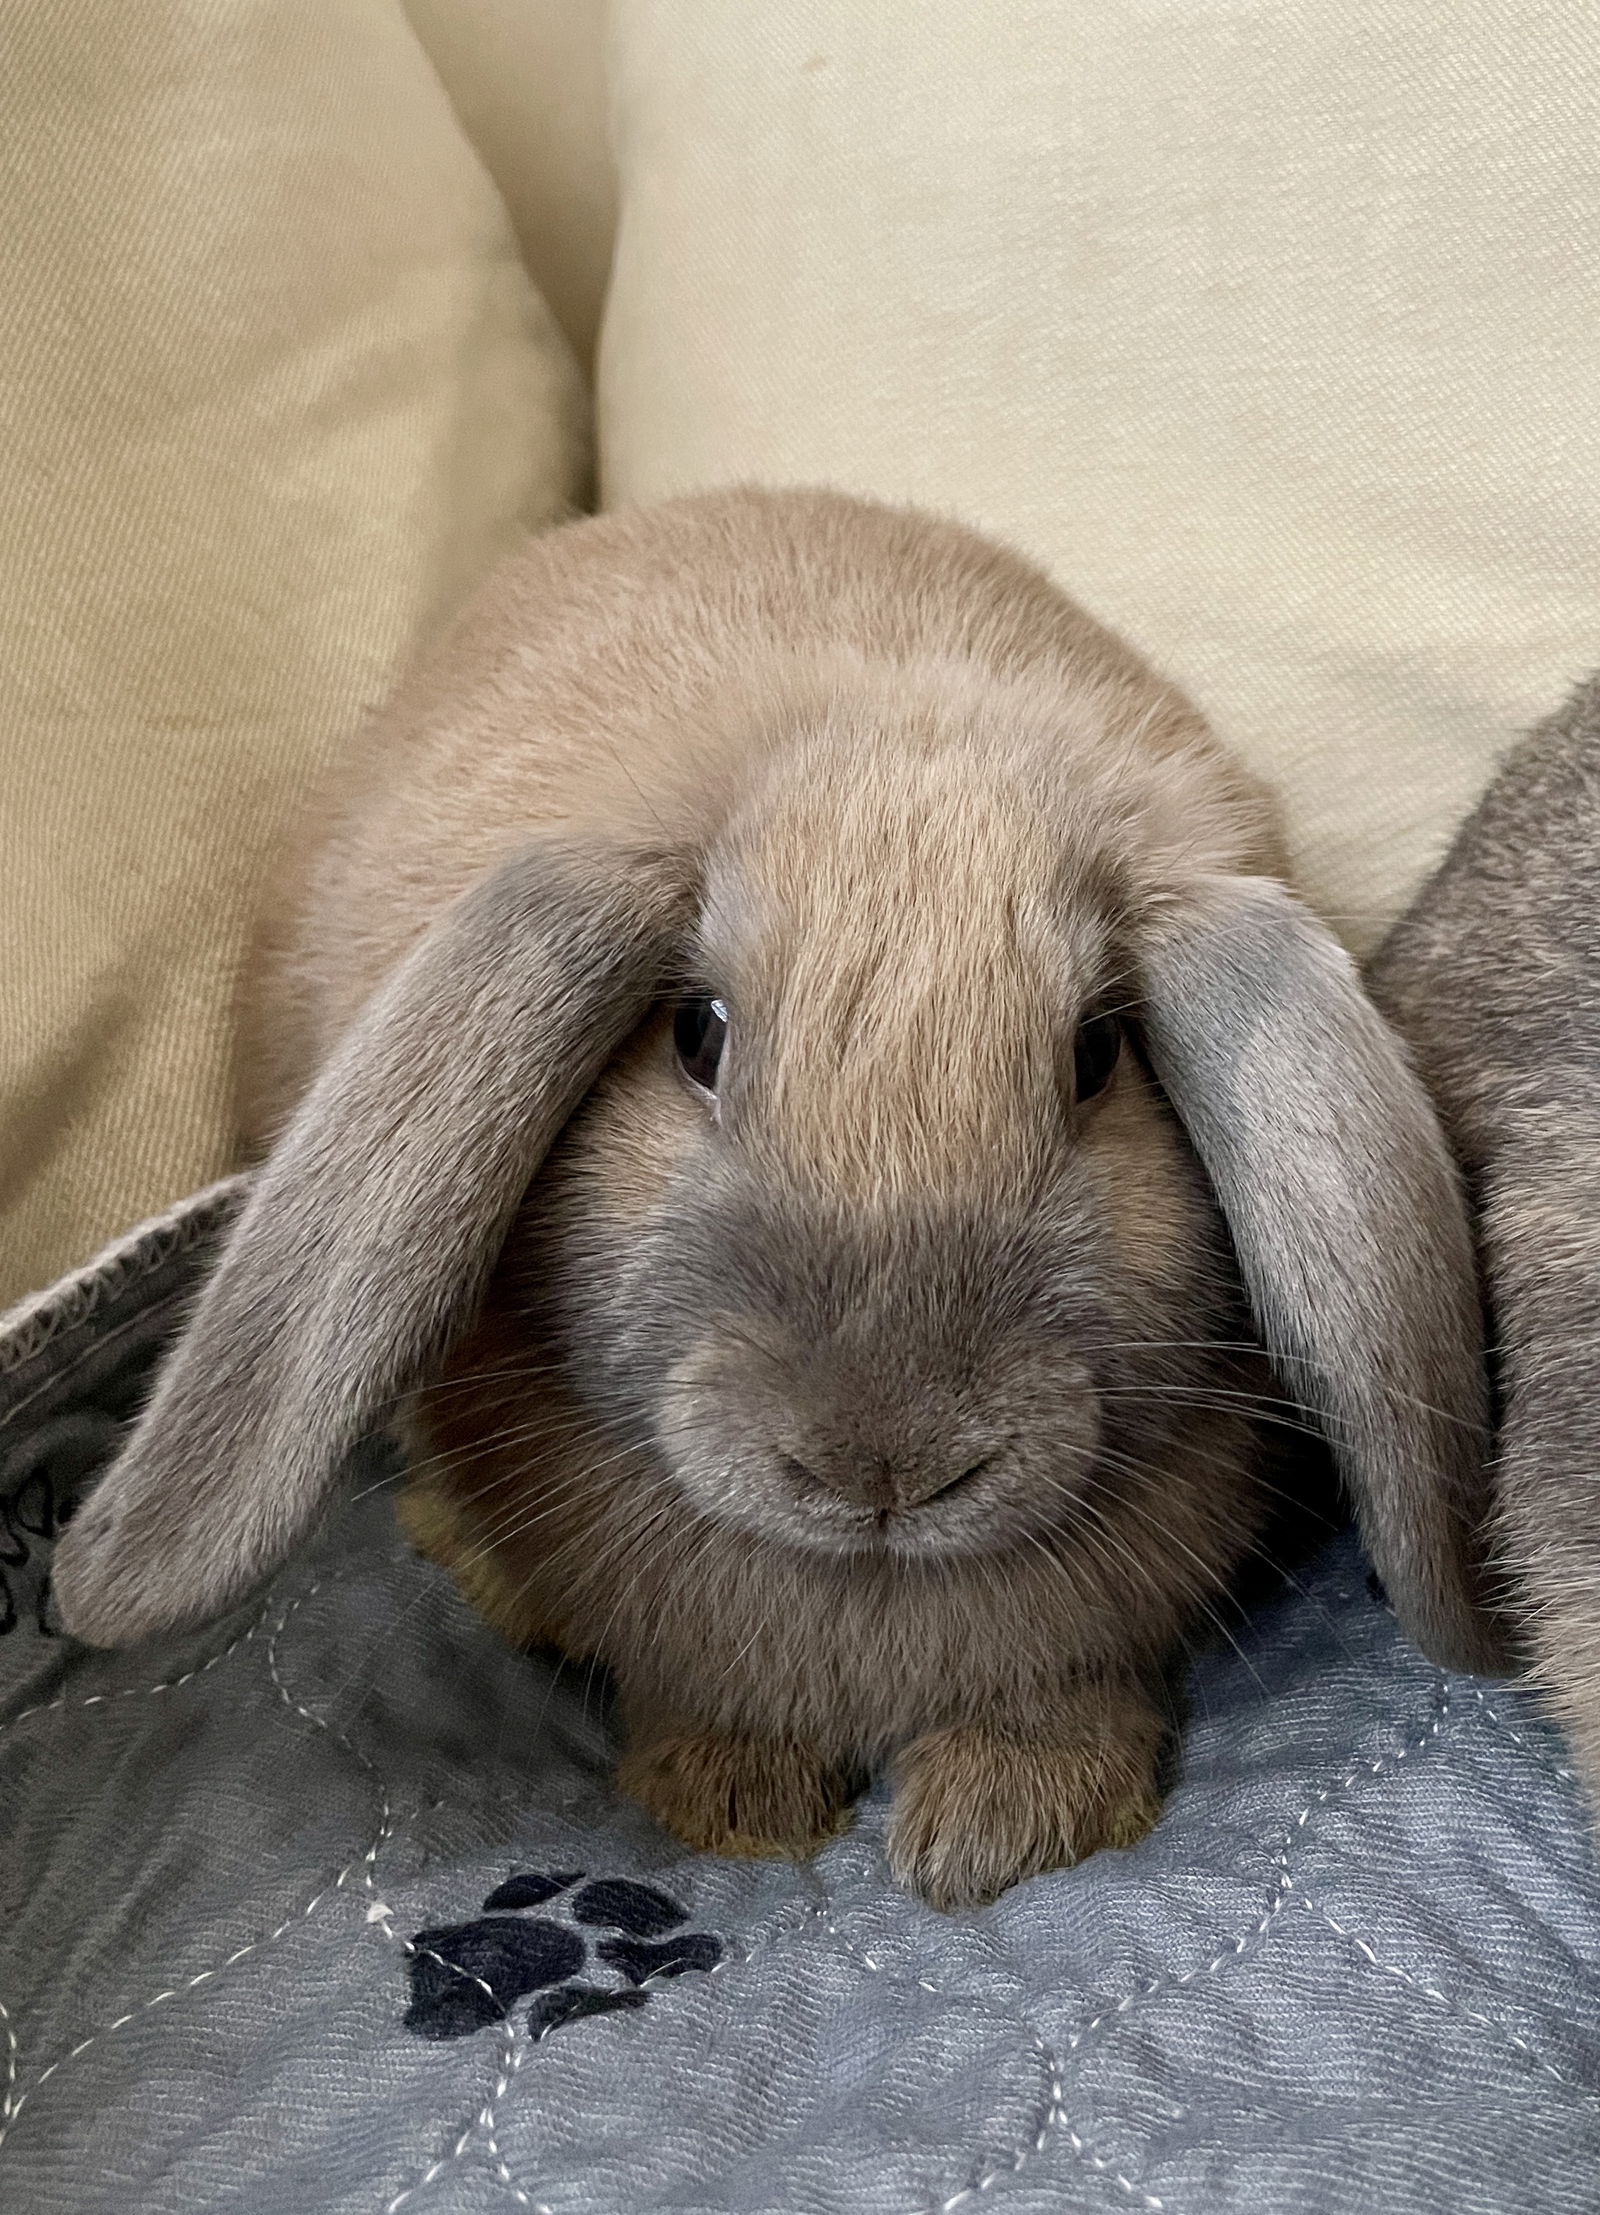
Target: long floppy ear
(371,1229)
(1350,1227)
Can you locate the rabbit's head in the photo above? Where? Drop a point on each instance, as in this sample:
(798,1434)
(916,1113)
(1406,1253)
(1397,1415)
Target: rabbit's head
(880,1117)
(878,1226)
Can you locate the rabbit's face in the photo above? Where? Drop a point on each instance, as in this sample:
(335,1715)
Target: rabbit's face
(883,1236)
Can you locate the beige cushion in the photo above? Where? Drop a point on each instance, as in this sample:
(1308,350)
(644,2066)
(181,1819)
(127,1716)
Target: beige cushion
(276,389)
(1273,328)
(527,79)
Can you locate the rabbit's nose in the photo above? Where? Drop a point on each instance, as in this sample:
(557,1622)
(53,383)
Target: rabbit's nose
(884,1485)
(925,1481)
(863,1480)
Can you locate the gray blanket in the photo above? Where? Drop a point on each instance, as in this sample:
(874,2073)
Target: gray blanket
(331,1907)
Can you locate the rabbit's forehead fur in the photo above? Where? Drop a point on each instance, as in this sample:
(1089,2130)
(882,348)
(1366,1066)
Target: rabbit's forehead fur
(641,675)
(904,945)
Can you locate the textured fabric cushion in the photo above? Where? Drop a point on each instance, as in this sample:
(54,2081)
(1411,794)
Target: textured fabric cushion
(276,388)
(1270,325)
(330,1908)
(527,78)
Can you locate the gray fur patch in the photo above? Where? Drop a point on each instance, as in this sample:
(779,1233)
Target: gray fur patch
(1349,1223)
(368,1233)
(1494,976)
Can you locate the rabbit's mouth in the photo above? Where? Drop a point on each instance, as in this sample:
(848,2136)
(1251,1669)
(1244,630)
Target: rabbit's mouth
(965,1518)
(901,1524)
(958,1503)
(810,1451)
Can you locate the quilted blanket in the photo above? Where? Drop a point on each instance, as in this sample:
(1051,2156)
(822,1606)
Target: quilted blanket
(331,1907)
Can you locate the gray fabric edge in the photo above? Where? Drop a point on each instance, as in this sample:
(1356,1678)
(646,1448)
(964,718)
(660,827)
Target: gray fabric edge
(37,1320)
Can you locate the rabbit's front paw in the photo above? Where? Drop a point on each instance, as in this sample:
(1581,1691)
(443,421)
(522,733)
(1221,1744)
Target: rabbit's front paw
(749,1797)
(976,1811)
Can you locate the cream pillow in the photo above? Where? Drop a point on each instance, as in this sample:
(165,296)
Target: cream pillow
(1272,326)
(276,390)
(527,79)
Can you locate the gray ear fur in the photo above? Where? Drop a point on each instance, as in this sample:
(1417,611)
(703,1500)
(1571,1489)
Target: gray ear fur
(1350,1228)
(370,1231)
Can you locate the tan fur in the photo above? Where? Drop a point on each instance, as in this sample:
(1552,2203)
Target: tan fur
(753,1799)
(439,1525)
(639,672)
(895,1406)
(1083,1783)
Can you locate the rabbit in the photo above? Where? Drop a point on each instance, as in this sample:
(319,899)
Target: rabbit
(788,1054)
(1494,977)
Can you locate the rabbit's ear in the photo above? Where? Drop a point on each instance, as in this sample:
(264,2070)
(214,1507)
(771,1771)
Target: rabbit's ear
(370,1230)
(1350,1227)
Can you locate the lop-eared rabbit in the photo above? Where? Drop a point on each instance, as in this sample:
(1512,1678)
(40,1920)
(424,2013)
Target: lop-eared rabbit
(789,1051)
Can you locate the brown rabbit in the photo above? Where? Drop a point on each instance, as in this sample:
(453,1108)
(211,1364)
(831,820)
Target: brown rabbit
(758,1049)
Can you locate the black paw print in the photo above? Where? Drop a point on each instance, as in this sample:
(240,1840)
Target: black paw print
(465,1976)
(42,1475)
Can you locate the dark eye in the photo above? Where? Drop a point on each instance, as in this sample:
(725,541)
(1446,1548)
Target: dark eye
(699,1031)
(1094,1054)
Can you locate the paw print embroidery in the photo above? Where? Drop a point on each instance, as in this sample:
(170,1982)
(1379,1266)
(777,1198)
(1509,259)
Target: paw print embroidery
(41,1478)
(465,1976)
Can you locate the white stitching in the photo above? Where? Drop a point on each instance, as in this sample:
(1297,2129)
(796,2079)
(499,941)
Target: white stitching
(1284,1892)
(515,2052)
(382,1915)
(176,1991)
(512,2055)
(1105,2169)
(1281,1888)
(1282,1884)
(386,1813)
(1524,1745)
(8,2103)
(1452,2007)
(1026,2151)
(148,1691)
(1045,2054)
(1277,1902)
(30,1326)
(435,2169)
(362,1861)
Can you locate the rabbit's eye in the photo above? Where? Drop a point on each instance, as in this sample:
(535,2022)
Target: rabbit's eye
(1094,1054)
(699,1031)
